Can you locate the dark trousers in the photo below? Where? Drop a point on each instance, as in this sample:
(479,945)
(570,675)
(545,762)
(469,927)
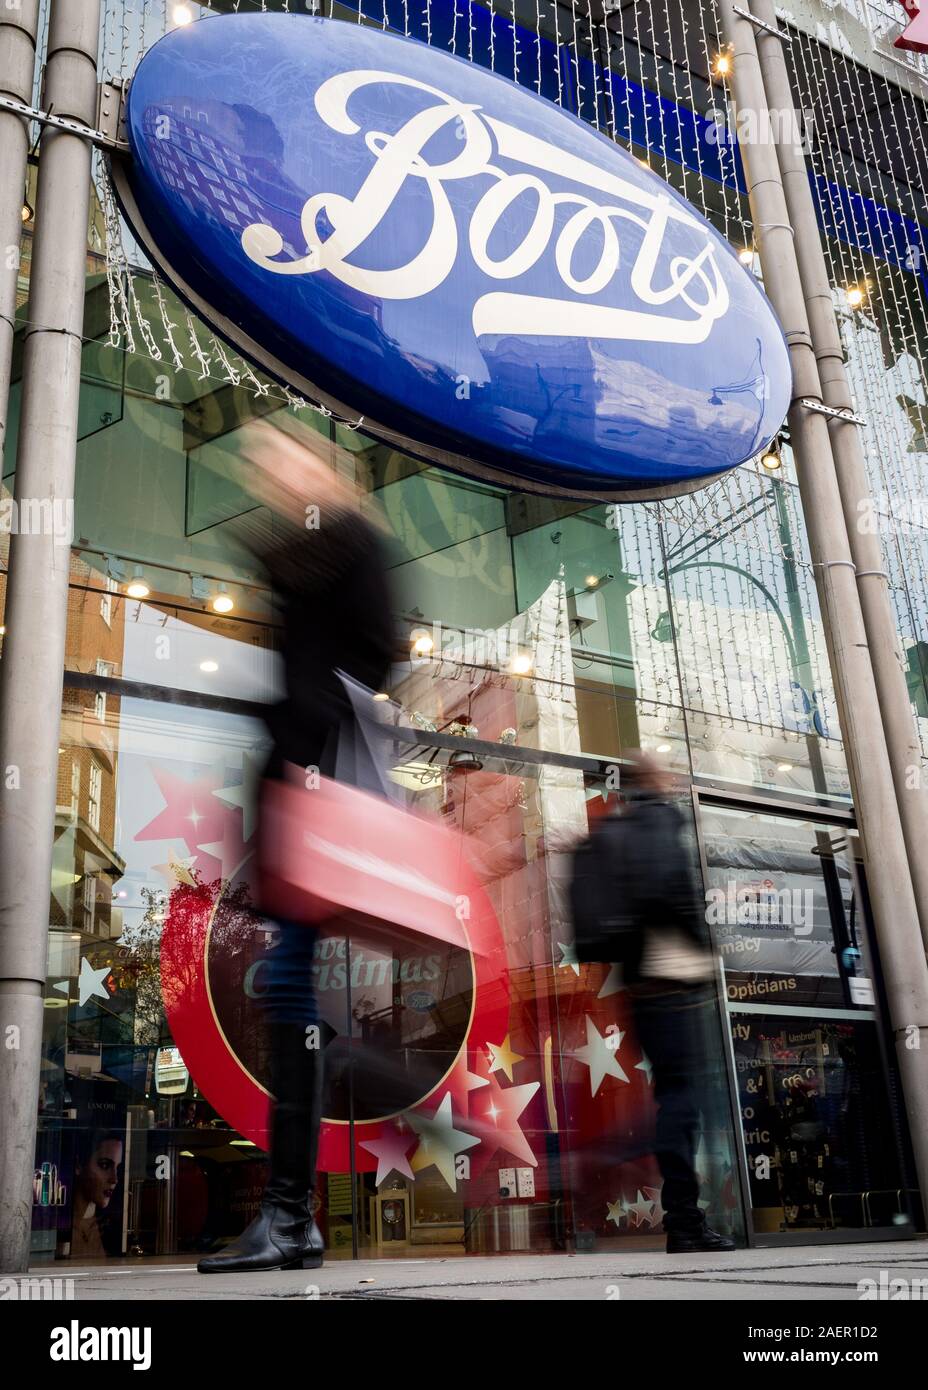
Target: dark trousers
(290,996)
(296,1069)
(671,1024)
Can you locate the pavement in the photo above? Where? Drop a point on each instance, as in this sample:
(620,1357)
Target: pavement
(800,1273)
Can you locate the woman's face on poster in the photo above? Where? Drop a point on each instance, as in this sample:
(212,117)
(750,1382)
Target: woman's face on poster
(99,1177)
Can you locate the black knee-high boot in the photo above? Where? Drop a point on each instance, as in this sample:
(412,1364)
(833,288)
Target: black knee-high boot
(284,1234)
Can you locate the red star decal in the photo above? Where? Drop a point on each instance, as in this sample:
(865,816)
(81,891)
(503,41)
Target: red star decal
(494,1116)
(191,814)
(230,849)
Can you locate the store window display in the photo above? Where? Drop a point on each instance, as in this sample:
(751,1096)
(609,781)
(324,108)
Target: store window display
(538,642)
(97,1174)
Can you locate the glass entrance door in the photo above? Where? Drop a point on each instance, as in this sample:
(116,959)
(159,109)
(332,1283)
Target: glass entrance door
(823,1145)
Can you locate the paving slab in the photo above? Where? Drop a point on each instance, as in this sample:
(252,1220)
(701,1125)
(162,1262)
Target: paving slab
(794,1273)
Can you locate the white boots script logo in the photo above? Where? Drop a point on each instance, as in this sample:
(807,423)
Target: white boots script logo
(680,295)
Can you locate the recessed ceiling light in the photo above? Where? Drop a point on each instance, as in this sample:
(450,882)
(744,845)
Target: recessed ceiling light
(223,602)
(137,586)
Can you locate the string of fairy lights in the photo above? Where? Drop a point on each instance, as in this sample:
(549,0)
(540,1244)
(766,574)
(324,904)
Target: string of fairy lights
(735,552)
(880,306)
(735,597)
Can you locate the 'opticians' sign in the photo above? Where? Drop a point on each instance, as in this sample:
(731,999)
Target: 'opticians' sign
(489,281)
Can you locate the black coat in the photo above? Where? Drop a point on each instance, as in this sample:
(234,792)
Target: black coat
(660,870)
(333,593)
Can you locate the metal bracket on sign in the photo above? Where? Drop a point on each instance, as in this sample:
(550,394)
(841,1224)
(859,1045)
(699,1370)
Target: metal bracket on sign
(46,118)
(111,108)
(762,24)
(833,412)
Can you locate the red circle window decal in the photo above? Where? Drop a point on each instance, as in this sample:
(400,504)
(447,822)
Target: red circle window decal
(405,994)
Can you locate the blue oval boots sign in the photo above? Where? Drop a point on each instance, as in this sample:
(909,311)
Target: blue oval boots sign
(490,282)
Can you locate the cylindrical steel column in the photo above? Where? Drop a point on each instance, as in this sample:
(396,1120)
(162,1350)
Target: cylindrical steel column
(890,885)
(37,601)
(872,580)
(17,69)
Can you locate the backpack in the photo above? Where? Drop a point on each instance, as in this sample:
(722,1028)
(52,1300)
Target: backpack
(606,919)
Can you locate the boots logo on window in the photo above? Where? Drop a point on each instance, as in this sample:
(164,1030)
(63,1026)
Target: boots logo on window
(399,234)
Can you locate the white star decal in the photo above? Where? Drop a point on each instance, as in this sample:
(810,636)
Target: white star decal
(645,1066)
(612,983)
(244,795)
(568,960)
(177,870)
(599,1055)
(641,1210)
(440,1142)
(91,982)
(616,1210)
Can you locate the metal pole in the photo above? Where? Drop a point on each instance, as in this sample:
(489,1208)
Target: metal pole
(37,602)
(892,898)
(18,29)
(847,449)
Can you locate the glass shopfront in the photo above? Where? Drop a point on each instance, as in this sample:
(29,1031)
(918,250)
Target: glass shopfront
(490,1100)
(475,1102)
(493,1099)
(822,1146)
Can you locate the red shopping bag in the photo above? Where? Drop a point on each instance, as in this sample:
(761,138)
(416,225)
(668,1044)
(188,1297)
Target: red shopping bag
(334,849)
